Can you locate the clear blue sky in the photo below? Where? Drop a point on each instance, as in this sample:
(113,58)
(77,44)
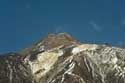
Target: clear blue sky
(23,22)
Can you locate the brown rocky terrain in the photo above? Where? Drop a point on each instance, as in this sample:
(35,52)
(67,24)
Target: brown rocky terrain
(59,58)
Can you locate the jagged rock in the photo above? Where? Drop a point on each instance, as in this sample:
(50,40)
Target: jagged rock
(62,59)
(13,70)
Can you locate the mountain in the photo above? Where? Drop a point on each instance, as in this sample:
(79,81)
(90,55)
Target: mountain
(59,58)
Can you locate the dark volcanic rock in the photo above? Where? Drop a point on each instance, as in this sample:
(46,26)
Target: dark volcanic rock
(62,59)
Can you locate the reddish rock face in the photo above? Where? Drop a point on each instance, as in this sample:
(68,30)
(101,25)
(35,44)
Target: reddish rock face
(62,59)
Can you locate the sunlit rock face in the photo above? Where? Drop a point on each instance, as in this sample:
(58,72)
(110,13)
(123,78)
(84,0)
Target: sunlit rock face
(62,59)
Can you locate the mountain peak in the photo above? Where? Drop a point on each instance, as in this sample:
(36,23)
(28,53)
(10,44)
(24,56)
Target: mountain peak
(55,40)
(51,41)
(59,58)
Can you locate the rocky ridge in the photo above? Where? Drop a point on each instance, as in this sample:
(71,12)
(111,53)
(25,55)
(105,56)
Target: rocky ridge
(59,58)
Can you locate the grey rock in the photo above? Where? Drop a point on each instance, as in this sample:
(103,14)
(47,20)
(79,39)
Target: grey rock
(62,59)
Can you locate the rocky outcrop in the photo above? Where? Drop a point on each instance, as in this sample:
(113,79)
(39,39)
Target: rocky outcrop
(13,70)
(62,59)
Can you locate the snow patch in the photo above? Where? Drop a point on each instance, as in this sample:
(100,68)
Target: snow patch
(114,60)
(76,50)
(84,47)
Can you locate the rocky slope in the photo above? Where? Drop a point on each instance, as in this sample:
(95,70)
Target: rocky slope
(62,59)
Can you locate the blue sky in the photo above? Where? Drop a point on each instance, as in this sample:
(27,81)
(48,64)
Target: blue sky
(23,22)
